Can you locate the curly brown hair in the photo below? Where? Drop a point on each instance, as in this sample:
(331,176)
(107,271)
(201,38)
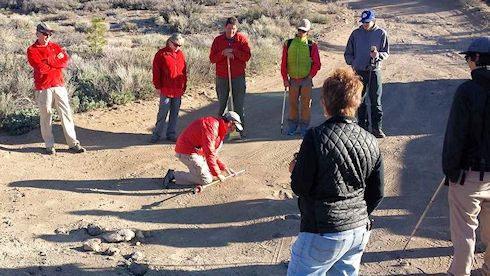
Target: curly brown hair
(341,92)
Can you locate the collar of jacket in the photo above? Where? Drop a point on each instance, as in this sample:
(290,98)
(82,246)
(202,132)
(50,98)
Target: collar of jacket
(342,119)
(481,75)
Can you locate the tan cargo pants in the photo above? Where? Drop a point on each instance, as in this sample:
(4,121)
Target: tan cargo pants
(466,202)
(198,170)
(45,99)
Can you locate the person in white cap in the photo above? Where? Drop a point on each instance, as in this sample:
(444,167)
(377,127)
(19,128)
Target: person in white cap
(466,161)
(197,148)
(300,63)
(48,60)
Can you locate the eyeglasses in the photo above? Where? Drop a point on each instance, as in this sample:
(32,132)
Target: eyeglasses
(467,58)
(176,45)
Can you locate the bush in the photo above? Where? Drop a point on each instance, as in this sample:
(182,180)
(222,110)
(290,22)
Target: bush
(96,35)
(292,11)
(320,19)
(180,7)
(136,4)
(129,27)
(45,6)
(199,70)
(21,121)
(188,25)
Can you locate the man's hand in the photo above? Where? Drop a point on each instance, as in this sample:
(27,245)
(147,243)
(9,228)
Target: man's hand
(374,54)
(221,177)
(228,52)
(60,55)
(158,92)
(286,83)
(230,171)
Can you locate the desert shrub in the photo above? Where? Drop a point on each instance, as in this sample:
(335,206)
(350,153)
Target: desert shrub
(199,70)
(189,25)
(96,35)
(95,6)
(129,27)
(82,26)
(180,7)
(45,6)
(136,4)
(320,19)
(210,2)
(280,9)
(333,8)
(159,20)
(21,121)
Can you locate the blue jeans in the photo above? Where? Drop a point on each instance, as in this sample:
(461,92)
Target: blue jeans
(328,254)
(375,93)
(166,104)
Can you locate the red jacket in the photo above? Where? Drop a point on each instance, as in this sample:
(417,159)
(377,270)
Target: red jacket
(169,72)
(204,136)
(241,50)
(47,66)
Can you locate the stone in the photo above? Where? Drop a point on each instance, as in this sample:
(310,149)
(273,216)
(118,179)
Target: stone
(138,269)
(119,235)
(137,256)
(288,194)
(140,236)
(62,231)
(92,245)
(94,229)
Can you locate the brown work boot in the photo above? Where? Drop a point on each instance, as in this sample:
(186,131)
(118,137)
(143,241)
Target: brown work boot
(77,149)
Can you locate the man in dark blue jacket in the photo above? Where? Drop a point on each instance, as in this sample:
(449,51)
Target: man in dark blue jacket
(466,160)
(366,49)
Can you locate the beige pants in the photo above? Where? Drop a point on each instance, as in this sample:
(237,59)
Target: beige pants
(198,170)
(294,98)
(465,203)
(45,99)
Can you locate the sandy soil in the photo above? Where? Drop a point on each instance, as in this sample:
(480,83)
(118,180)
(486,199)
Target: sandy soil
(247,225)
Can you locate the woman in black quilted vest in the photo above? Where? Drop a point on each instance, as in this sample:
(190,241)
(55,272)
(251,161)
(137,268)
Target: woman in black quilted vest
(338,177)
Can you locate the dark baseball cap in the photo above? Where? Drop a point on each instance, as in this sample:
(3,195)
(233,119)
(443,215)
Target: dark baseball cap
(479,45)
(44,28)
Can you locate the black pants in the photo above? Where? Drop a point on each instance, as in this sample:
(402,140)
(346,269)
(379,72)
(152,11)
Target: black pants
(374,94)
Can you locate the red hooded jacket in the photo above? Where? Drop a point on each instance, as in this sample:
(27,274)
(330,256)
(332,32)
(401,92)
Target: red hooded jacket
(169,72)
(241,50)
(204,136)
(47,66)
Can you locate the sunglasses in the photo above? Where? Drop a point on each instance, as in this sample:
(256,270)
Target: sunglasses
(176,45)
(467,58)
(303,31)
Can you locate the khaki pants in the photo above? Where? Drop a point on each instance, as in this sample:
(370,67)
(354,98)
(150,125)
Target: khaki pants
(466,202)
(198,170)
(45,99)
(295,95)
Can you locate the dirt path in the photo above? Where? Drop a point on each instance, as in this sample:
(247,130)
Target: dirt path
(245,226)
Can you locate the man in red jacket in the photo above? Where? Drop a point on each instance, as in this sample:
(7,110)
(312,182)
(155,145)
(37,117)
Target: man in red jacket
(197,148)
(233,46)
(48,60)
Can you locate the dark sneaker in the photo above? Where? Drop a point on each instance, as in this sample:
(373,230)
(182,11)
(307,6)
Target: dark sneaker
(77,149)
(303,132)
(378,133)
(172,139)
(50,151)
(169,178)
(154,139)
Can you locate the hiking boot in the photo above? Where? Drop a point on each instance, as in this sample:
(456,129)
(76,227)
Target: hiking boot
(172,138)
(50,151)
(169,178)
(291,131)
(77,149)
(378,133)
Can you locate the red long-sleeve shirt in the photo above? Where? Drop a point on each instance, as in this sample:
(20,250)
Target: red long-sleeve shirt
(169,72)
(204,136)
(315,61)
(241,50)
(47,66)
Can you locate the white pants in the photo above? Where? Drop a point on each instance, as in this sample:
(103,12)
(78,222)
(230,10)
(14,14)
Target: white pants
(45,99)
(198,170)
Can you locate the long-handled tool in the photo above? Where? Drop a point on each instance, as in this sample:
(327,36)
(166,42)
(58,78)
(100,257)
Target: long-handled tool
(234,135)
(424,213)
(199,188)
(283,107)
